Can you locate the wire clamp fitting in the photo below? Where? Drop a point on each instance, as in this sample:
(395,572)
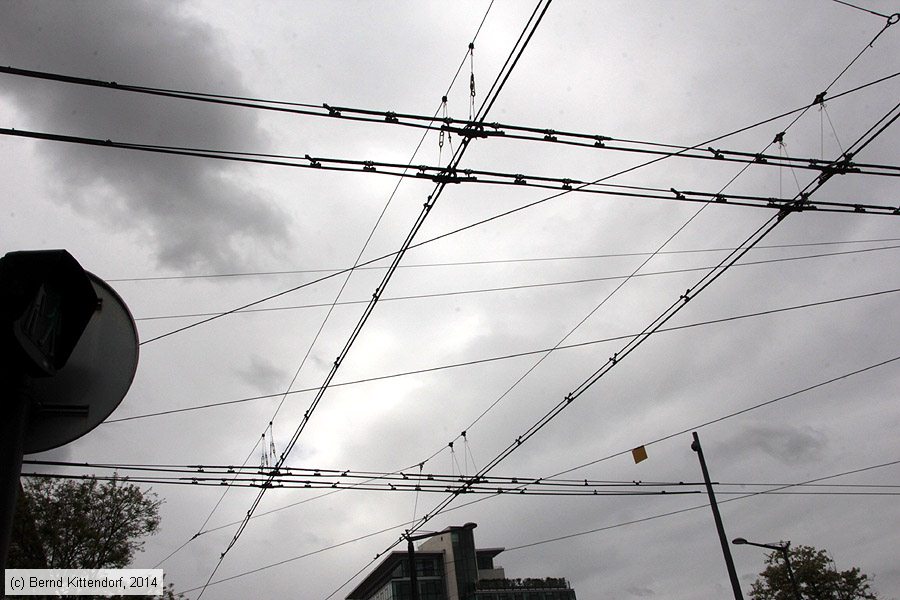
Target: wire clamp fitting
(470,131)
(779,138)
(678,195)
(720,198)
(448,176)
(519,179)
(332,112)
(391,117)
(759,158)
(715,153)
(599,139)
(686,296)
(567,184)
(550,136)
(368,166)
(819,99)
(312,161)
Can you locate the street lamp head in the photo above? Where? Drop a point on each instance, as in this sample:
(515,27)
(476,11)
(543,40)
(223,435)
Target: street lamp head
(738,541)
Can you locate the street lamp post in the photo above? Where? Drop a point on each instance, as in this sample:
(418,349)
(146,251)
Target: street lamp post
(785,552)
(411,553)
(729,562)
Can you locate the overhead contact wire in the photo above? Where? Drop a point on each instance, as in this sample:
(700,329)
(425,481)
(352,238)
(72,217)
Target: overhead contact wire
(429,204)
(507,356)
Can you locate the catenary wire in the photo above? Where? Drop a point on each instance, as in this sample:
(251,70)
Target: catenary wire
(405,481)
(485,262)
(676,306)
(493,218)
(692,508)
(432,199)
(333,305)
(464,505)
(521,490)
(506,356)
(737,413)
(801,198)
(344,284)
(464,128)
(452,174)
(541,542)
(871,12)
(523,286)
(679,433)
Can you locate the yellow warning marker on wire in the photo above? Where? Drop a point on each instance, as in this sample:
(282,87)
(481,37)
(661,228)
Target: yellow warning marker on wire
(639,454)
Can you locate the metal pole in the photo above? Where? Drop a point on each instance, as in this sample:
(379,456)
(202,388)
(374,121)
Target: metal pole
(787,562)
(729,562)
(413,578)
(12,438)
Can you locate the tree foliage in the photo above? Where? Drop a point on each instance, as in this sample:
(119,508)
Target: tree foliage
(83,524)
(817,578)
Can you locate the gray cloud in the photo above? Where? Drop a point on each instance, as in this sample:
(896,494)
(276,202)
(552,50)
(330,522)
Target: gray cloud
(194,213)
(635,70)
(640,591)
(789,444)
(262,374)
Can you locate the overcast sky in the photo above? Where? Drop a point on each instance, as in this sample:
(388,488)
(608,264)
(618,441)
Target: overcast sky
(669,72)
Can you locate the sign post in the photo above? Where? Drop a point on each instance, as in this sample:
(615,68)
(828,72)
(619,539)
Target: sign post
(68,354)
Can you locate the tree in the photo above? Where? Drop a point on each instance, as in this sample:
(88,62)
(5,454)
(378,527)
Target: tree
(82,524)
(816,576)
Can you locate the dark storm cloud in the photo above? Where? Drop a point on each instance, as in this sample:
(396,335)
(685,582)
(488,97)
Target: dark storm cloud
(194,213)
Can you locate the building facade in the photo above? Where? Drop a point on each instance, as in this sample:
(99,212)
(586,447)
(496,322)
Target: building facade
(450,567)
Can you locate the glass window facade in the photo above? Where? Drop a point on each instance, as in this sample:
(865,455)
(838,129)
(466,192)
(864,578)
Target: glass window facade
(568,594)
(429,575)
(425,567)
(466,565)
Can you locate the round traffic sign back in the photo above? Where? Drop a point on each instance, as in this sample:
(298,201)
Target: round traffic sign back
(94,380)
